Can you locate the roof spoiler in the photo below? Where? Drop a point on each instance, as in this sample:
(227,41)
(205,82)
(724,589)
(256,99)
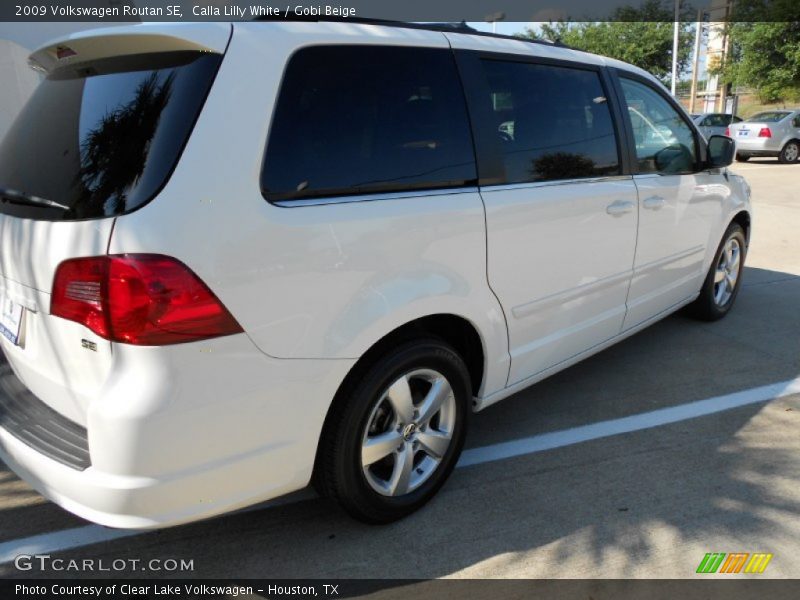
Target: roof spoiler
(88,46)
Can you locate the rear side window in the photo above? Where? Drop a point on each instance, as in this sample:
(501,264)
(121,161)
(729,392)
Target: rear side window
(717,120)
(552,122)
(366,119)
(101,140)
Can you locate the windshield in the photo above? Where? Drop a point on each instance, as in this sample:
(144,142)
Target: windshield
(768,117)
(101,140)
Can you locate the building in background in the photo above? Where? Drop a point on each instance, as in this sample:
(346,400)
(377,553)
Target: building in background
(717,96)
(17,82)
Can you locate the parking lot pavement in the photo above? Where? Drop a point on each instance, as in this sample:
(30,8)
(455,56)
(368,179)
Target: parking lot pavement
(647,503)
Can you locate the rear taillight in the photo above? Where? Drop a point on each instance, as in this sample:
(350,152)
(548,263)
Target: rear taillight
(141,299)
(765,132)
(728,131)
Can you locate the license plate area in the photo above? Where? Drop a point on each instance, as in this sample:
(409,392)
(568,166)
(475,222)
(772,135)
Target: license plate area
(11,314)
(743,132)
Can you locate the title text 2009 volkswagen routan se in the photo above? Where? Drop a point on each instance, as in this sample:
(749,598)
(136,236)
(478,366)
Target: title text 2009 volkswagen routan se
(237,259)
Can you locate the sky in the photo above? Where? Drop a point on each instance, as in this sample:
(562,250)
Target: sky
(515,27)
(505,28)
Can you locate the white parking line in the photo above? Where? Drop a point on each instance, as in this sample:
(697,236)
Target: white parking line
(648,420)
(78,537)
(65,539)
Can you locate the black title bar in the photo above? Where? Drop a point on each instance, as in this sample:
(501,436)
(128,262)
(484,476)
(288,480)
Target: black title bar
(112,11)
(704,587)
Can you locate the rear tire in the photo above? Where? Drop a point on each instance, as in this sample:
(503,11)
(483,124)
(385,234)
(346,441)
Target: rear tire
(394,435)
(724,278)
(742,158)
(790,152)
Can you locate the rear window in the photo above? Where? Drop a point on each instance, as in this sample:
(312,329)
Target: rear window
(368,119)
(101,140)
(768,117)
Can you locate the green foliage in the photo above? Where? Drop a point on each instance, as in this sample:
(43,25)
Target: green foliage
(765,10)
(764,40)
(109,167)
(641,36)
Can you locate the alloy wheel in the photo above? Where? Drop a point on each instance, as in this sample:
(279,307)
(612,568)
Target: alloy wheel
(727,272)
(408,432)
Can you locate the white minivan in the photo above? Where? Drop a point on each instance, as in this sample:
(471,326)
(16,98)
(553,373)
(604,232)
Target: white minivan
(239,258)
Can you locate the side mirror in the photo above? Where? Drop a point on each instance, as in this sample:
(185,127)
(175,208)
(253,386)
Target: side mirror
(720,151)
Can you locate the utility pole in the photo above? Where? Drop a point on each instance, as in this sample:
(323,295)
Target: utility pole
(494,18)
(723,92)
(675,46)
(696,63)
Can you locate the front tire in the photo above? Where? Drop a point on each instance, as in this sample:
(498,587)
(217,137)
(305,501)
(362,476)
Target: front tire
(790,152)
(724,278)
(395,435)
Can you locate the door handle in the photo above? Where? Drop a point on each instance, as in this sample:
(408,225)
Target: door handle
(620,207)
(654,202)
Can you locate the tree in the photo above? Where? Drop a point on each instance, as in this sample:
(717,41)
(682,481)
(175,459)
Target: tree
(640,36)
(114,151)
(764,37)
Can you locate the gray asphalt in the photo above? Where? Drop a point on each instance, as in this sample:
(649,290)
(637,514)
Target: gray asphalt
(649,503)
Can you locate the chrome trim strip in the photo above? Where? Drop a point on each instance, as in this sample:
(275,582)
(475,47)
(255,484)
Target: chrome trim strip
(541,184)
(668,260)
(663,290)
(373,197)
(561,334)
(523,310)
(513,388)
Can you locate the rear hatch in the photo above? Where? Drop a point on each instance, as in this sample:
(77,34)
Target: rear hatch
(99,138)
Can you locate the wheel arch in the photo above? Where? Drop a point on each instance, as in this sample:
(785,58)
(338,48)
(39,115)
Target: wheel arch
(744,220)
(459,332)
(456,330)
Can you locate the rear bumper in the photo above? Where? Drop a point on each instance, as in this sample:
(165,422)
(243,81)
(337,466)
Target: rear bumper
(115,501)
(758,146)
(31,421)
(131,502)
(186,432)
